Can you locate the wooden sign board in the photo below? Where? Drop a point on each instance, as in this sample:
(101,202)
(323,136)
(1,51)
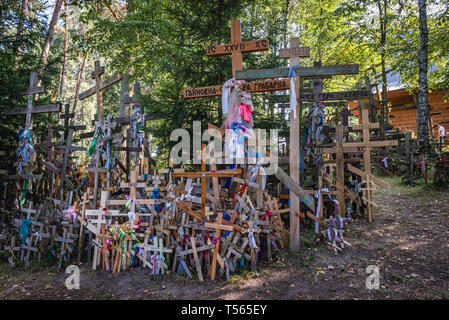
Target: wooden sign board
(247,46)
(334,96)
(257,86)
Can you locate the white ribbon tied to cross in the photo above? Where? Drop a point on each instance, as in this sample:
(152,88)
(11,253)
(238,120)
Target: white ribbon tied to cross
(318,207)
(252,240)
(131,216)
(293,100)
(384,160)
(253,174)
(226,91)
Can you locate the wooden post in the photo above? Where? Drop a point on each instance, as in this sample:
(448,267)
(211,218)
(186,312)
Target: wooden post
(340,171)
(203,180)
(295,155)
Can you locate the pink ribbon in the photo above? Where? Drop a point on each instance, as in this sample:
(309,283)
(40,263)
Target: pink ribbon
(268,213)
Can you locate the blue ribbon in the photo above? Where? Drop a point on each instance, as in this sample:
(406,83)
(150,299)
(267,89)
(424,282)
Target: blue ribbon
(228,182)
(24,230)
(156,195)
(227,218)
(291,72)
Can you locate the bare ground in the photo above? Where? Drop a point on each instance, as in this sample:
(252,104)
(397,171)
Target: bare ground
(408,241)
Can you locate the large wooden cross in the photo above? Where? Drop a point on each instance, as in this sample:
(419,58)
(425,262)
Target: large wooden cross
(235,48)
(294,53)
(31,109)
(362,147)
(301,72)
(99,87)
(367,145)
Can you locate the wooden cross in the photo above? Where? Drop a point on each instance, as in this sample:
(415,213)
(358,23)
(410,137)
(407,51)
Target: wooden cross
(82,220)
(67,149)
(49,144)
(251,229)
(66,116)
(133,185)
(157,246)
(367,145)
(99,87)
(97,168)
(294,53)
(303,72)
(30,210)
(30,109)
(97,229)
(65,240)
(218,226)
(235,48)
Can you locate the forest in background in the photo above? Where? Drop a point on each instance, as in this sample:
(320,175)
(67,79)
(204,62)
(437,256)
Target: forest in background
(162,44)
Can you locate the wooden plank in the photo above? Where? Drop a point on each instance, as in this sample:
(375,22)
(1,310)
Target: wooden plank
(373,179)
(237,47)
(300,52)
(104,84)
(197,261)
(36,109)
(295,188)
(334,96)
(303,72)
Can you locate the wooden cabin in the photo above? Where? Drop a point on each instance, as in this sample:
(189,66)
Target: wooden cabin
(403,110)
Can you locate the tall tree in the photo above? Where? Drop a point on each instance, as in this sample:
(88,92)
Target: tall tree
(422,110)
(50,32)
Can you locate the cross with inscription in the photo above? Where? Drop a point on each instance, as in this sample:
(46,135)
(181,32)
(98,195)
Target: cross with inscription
(235,48)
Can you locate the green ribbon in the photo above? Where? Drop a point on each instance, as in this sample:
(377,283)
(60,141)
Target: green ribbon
(170,172)
(24,193)
(135,240)
(94,141)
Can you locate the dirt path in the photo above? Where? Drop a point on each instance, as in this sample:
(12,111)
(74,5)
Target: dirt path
(408,241)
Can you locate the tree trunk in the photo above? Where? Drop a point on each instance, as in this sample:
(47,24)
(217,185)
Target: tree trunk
(79,76)
(422,110)
(64,62)
(383,37)
(50,33)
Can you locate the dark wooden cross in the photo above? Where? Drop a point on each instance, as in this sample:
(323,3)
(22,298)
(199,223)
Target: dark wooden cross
(31,109)
(67,149)
(67,116)
(367,145)
(99,87)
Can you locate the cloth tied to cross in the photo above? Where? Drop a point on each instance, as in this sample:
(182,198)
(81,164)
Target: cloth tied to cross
(293,100)
(318,207)
(70,212)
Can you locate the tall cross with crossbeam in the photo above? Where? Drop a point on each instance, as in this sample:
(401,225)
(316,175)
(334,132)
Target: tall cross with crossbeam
(236,48)
(300,72)
(32,90)
(100,85)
